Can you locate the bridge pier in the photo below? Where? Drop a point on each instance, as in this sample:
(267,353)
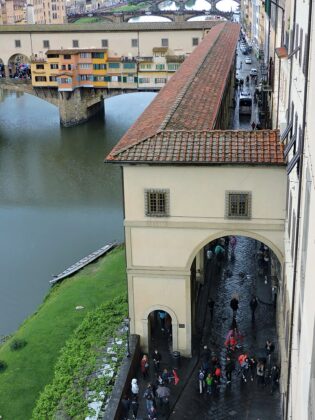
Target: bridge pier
(79,105)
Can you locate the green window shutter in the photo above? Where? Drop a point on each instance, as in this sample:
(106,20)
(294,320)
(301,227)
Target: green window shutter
(268,7)
(107,78)
(136,79)
(124,79)
(119,78)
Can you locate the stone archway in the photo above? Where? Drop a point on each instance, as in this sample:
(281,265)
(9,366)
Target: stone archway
(145,325)
(16,62)
(2,69)
(236,232)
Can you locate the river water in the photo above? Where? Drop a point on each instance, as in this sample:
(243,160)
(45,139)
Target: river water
(58,200)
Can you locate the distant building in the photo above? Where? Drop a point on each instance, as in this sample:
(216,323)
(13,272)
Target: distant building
(12,12)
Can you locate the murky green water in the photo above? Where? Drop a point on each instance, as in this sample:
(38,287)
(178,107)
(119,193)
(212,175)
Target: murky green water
(58,200)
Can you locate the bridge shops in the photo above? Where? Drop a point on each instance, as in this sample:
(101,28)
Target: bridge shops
(189,180)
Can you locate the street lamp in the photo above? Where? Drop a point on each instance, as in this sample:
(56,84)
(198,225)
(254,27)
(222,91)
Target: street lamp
(127,324)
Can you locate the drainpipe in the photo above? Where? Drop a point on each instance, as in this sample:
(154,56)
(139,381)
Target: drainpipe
(281,43)
(301,151)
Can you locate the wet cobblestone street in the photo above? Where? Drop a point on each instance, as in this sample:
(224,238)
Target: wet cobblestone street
(238,400)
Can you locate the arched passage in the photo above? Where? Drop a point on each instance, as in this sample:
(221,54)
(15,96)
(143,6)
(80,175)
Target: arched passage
(19,66)
(240,267)
(152,323)
(2,70)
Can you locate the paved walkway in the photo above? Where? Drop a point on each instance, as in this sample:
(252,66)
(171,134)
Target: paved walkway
(238,401)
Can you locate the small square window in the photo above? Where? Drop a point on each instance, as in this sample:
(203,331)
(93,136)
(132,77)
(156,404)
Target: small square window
(104,43)
(75,43)
(195,42)
(164,42)
(134,43)
(157,203)
(238,204)
(46,44)
(17,43)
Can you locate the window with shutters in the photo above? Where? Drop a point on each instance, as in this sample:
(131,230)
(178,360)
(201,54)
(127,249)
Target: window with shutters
(157,202)
(238,204)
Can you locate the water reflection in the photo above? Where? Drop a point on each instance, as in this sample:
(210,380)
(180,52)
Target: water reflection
(197,5)
(227,6)
(168,5)
(58,200)
(150,18)
(205,17)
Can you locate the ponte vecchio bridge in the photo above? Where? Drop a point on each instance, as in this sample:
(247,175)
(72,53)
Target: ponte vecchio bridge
(158,46)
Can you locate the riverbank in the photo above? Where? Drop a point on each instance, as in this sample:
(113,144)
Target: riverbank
(47,330)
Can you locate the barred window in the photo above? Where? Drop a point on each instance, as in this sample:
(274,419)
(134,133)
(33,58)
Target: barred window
(157,203)
(238,204)
(46,44)
(75,43)
(164,42)
(105,43)
(195,42)
(134,42)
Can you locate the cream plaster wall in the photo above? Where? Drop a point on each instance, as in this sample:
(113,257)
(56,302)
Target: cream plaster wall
(119,43)
(160,251)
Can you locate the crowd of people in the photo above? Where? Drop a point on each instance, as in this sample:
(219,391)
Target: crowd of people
(157,392)
(237,362)
(17,71)
(233,364)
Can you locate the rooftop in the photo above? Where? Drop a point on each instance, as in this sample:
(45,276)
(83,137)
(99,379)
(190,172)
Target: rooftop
(204,147)
(179,126)
(109,27)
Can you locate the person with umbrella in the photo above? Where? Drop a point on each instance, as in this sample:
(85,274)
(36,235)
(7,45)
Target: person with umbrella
(163,393)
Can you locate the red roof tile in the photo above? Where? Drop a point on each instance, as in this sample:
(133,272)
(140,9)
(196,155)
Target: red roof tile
(214,146)
(221,40)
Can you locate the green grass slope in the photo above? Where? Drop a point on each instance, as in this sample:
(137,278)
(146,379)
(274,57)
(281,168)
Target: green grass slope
(32,367)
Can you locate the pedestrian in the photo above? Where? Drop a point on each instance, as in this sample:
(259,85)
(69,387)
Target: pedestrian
(134,387)
(216,379)
(253,124)
(260,373)
(161,392)
(229,368)
(144,366)
(165,376)
(252,367)
(233,242)
(211,307)
(201,380)
(156,356)
(275,377)
(234,305)
(149,397)
(253,306)
(243,361)
(209,383)
(270,348)
(205,359)
(134,406)
(125,404)
(162,316)
(152,414)
(209,254)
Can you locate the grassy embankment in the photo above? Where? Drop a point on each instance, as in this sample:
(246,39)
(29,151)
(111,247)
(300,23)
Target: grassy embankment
(46,331)
(131,7)
(89,20)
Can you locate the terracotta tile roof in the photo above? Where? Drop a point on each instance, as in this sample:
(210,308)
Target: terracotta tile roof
(204,147)
(190,97)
